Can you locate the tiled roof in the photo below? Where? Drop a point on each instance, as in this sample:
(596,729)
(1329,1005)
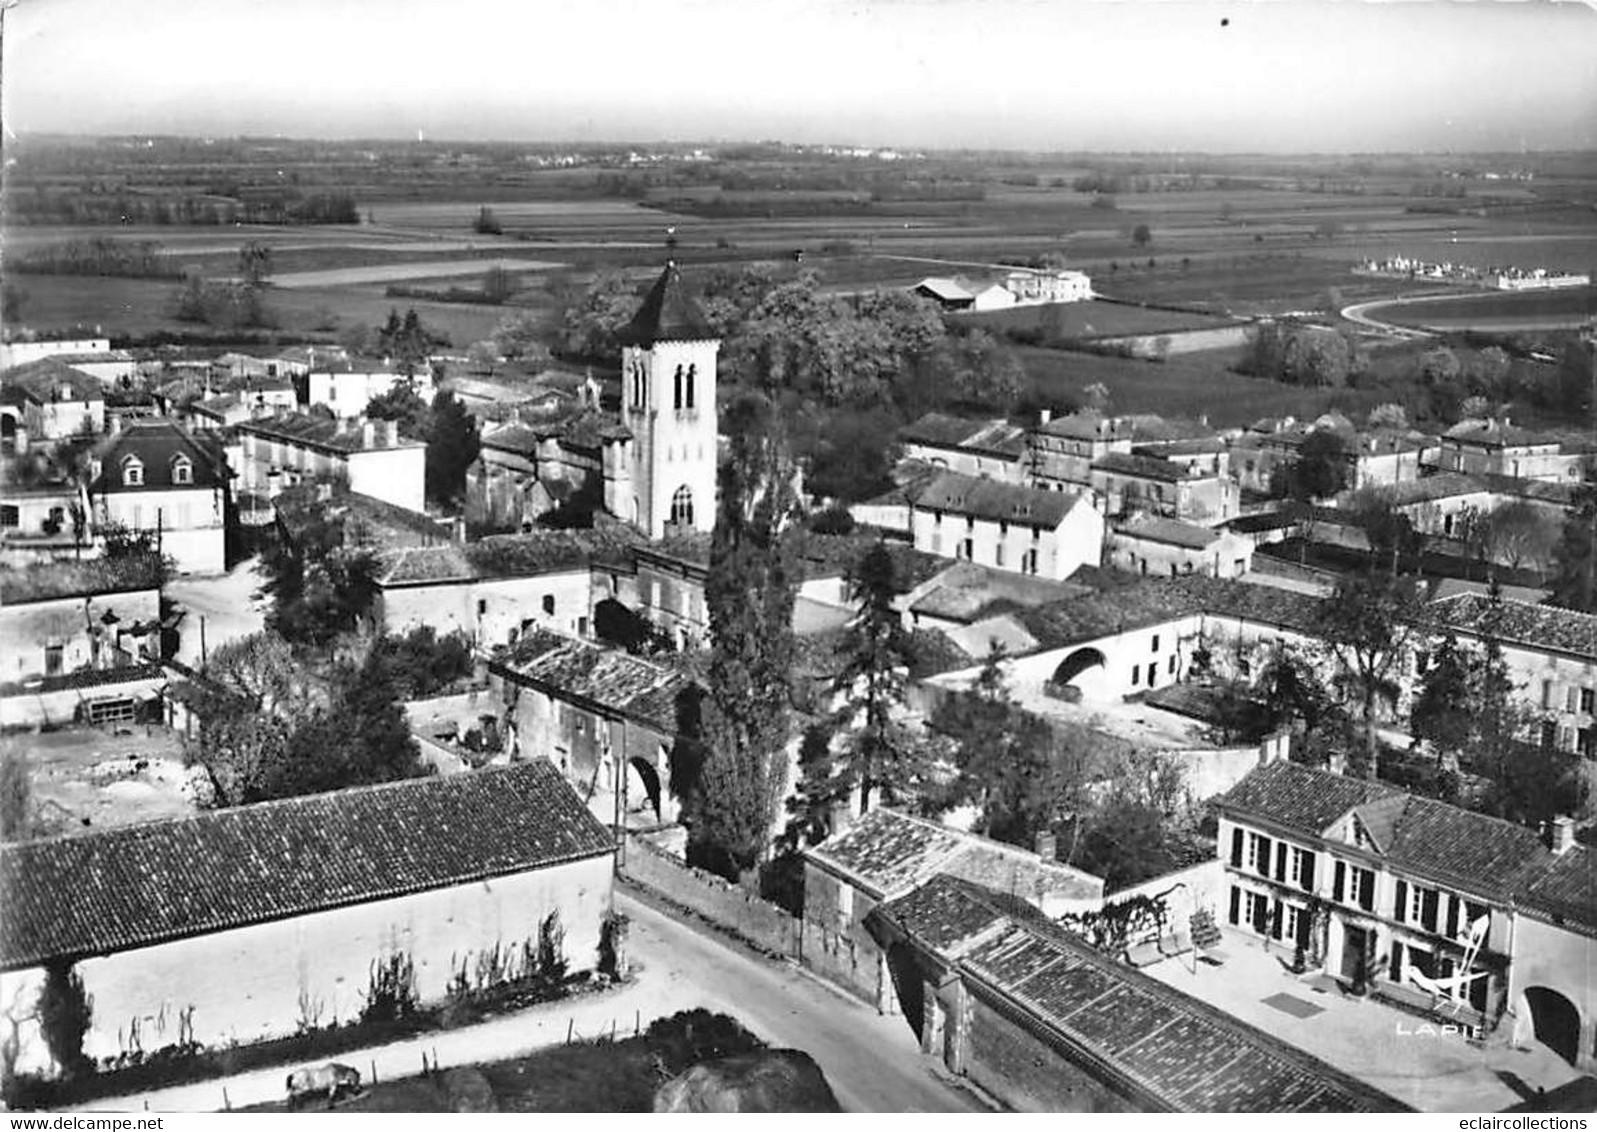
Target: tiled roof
(1544,627)
(1497,859)
(1158,1045)
(835,556)
(1082,426)
(138,885)
(1300,797)
(1143,467)
(989,499)
(318,432)
(50,379)
(1484,854)
(668,314)
(940,430)
(604,677)
(1567,889)
(84,678)
(1170,531)
(888,853)
(157,445)
(526,555)
(1493,433)
(965,588)
(1190,446)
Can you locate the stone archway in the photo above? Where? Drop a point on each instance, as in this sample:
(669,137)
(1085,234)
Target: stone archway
(1086,670)
(645,777)
(1555,1020)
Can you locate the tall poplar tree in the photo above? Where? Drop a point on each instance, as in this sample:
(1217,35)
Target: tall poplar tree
(743,722)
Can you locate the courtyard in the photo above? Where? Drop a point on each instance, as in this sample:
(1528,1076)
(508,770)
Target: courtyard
(1421,1063)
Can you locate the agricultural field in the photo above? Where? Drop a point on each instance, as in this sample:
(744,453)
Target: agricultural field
(1229,236)
(1194,386)
(1091,320)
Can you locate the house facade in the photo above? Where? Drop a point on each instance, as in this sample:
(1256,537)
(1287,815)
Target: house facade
(1048,534)
(992,449)
(50,400)
(1408,899)
(348,387)
(370,456)
(1062,450)
(1499,447)
(1153,546)
(308,895)
(1164,488)
(153,476)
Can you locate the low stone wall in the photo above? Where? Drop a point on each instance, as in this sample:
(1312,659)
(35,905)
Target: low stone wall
(746,915)
(1204,887)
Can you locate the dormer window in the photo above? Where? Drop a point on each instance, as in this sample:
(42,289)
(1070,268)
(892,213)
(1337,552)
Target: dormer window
(132,472)
(182,470)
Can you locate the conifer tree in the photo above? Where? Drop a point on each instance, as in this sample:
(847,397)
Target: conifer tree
(879,756)
(743,726)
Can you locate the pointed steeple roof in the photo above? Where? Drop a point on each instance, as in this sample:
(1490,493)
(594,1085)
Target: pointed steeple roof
(668,314)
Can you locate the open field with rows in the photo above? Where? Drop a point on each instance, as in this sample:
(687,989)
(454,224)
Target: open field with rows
(1091,319)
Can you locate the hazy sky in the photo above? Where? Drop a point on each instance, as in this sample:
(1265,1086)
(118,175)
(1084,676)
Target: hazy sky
(1045,74)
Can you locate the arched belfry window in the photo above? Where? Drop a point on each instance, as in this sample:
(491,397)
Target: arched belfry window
(677,382)
(692,380)
(682,506)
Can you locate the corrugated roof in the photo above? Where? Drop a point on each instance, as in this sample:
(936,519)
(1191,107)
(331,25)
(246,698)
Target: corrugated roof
(990,499)
(668,314)
(138,885)
(44,379)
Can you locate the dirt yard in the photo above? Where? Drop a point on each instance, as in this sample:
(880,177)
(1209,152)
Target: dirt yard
(93,777)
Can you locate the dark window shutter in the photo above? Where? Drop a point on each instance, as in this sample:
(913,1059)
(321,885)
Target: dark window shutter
(1308,872)
(1452,917)
(1236,902)
(1236,854)
(1277,917)
(1264,856)
(1304,923)
(1397,962)
(1400,910)
(1428,909)
(1280,860)
(1367,890)
(1339,882)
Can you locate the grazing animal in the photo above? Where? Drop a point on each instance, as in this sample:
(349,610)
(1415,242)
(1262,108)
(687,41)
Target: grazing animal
(331,1079)
(773,1080)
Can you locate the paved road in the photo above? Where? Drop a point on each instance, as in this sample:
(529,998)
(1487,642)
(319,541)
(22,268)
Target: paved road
(873,1063)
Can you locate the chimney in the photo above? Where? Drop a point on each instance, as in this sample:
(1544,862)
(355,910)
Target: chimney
(368,433)
(1044,416)
(1047,846)
(115,424)
(1561,835)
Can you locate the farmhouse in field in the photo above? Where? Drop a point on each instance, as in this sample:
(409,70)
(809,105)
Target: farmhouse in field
(309,895)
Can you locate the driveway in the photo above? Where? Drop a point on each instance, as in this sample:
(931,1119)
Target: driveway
(224,605)
(873,1063)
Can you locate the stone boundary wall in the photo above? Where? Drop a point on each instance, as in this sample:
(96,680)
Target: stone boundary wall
(746,915)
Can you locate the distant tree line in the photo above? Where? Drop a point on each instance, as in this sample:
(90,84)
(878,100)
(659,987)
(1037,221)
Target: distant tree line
(98,255)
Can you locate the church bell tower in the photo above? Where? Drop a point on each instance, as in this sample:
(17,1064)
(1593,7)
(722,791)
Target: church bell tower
(668,358)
